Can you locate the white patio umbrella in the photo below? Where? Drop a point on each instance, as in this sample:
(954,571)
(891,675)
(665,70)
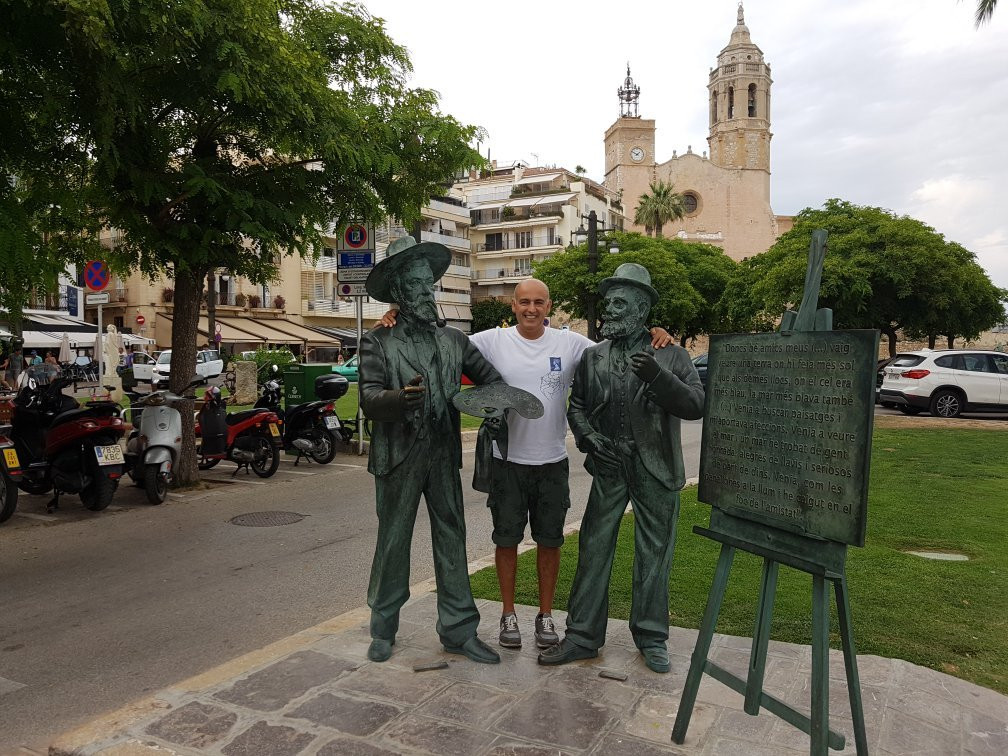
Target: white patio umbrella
(64,350)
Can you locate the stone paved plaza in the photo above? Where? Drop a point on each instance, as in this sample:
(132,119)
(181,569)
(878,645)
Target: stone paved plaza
(316,693)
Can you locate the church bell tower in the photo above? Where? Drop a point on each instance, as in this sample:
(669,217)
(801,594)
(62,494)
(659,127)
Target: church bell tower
(740,104)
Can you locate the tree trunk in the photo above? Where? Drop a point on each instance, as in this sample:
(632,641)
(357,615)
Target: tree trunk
(932,338)
(891,333)
(188,289)
(951,342)
(658,230)
(211,306)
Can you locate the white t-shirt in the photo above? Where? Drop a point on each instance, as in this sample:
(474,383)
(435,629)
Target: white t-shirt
(543,367)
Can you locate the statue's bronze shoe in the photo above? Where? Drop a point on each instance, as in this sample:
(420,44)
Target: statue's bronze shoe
(380,649)
(566,651)
(475,650)
(656,659)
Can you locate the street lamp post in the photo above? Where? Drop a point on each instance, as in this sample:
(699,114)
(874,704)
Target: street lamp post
(592,303)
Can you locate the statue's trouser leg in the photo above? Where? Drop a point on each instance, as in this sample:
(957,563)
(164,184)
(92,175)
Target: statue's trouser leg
(588,607)
(656,510)
(397,496)
(433,473)
(458,617)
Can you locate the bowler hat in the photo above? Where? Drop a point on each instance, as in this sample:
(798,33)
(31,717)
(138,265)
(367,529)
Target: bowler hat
(630,274)
(401,253)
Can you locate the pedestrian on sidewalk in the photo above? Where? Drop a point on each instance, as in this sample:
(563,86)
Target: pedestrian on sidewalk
(408,376)
(625,411)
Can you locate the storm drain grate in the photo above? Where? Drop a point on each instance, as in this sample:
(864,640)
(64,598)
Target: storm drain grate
(266,519)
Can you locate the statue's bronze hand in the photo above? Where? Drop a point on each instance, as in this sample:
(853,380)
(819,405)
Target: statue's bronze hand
(412,394)
(644,366)
(603,450)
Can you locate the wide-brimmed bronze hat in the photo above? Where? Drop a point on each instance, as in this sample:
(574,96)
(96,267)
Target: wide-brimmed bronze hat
(630,274)
(401,252)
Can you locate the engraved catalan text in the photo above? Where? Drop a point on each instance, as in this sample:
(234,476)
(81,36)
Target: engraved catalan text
(786,429)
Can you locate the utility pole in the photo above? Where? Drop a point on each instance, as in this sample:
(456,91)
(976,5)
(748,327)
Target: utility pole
(590,309)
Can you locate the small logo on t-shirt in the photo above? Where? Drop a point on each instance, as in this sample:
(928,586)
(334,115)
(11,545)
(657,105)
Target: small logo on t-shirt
(555,364)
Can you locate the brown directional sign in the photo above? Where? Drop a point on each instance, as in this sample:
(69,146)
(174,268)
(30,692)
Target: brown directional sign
(787,430)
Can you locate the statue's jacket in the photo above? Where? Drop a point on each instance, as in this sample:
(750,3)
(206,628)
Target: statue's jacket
(655,409)
(388,361)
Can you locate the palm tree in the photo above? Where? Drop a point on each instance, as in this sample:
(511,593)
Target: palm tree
(658,208)
(984,11)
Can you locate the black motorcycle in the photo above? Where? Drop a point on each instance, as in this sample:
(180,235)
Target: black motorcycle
(311,429)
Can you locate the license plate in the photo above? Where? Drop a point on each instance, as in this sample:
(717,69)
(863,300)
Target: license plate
(11,458)
(274,430)
(109,455)
(331,422)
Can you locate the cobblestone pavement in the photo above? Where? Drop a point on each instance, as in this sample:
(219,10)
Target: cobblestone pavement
(316,693)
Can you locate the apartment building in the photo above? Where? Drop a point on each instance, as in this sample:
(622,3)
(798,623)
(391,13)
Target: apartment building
(444,219)
(521,214)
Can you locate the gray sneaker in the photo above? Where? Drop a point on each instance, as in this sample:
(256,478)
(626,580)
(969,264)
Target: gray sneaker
(510,635)
(545,631)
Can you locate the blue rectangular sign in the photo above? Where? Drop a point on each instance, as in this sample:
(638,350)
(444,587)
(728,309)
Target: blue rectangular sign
(356,259)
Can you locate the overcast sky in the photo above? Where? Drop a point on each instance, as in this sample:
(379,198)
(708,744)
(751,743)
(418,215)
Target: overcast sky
(901,104)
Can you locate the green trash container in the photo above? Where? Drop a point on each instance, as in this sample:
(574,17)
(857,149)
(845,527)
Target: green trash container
(299,381)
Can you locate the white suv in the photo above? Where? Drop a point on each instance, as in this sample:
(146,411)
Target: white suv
(947,382)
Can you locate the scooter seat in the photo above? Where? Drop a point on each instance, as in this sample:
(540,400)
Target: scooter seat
(234,418)
(70,415)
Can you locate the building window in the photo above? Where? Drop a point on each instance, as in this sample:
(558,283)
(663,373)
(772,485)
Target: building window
(523,239)
(752,100)
(691,202)
(713,106)
(494,242)
(731,102)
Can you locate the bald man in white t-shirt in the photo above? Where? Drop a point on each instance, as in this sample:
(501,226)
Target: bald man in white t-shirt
(532,486)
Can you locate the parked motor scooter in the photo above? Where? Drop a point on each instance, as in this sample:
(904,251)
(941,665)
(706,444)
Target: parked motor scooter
(63,446)
(155,443)
(250,438)
(10,474)
(311,429)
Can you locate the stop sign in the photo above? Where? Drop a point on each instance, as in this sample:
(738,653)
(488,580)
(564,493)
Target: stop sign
(140,320)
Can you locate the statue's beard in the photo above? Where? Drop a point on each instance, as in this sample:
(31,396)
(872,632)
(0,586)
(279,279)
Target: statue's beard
(421,310)
(619,328)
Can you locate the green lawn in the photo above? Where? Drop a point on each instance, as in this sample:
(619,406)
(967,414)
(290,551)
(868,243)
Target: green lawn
(933,489)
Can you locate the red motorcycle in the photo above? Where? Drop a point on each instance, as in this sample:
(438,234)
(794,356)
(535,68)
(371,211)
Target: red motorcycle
(250,439)
(66,447)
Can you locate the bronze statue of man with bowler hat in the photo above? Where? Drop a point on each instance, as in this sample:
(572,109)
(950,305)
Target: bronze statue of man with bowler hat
(624,411)
(408,376)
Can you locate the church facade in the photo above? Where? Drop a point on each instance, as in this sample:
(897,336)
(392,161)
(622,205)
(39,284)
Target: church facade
(726,195)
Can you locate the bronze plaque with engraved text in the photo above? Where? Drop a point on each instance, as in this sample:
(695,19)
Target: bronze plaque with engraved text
(787,430)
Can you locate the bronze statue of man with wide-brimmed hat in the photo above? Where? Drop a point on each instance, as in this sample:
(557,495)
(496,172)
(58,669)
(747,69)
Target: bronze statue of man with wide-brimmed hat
(624,411)
(408,376)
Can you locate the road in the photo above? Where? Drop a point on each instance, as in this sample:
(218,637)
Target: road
(99,609)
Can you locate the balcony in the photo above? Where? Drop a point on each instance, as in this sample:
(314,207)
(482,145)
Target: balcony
(535,217)
(452,242)
(54,301)
(509,248)
(337,308)
(459,270)
(452,206)
(324,264)
(451,297)
(501,275)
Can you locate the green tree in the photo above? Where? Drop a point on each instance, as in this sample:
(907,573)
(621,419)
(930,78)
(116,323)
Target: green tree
(490,313)
(659,207)
(985,11)
(226,133)
(691,280)
(44,163)
(881,271)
